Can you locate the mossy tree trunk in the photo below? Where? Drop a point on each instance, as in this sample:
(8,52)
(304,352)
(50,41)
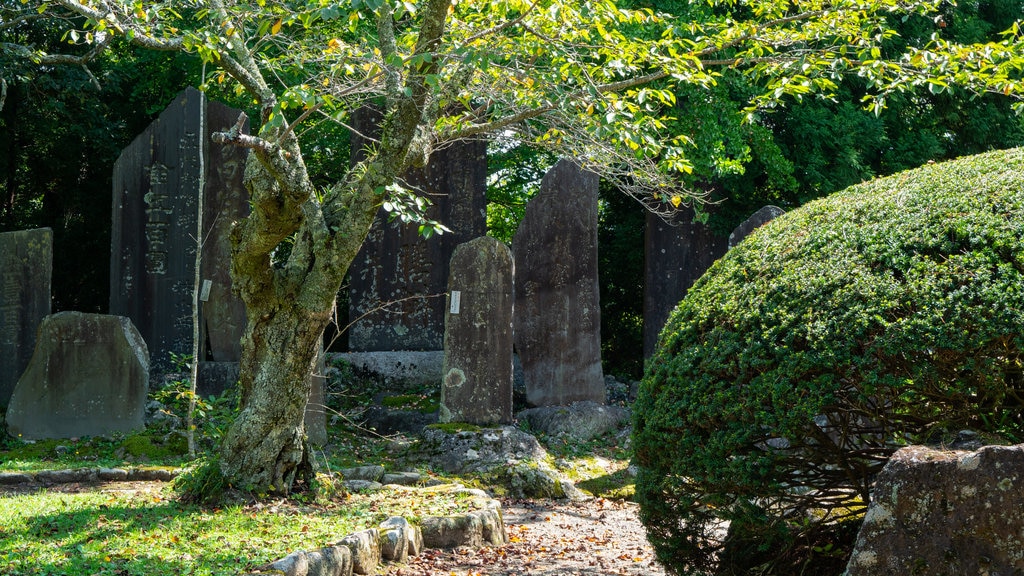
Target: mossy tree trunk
(289,303)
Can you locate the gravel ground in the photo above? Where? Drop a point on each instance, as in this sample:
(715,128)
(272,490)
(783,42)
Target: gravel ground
(548,538)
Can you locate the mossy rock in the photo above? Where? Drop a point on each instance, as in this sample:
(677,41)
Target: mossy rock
(888,313)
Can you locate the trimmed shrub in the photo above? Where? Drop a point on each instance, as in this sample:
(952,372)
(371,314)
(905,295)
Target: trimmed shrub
(887,314)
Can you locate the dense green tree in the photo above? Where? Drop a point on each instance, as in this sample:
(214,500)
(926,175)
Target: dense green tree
(570,77)
(884,315)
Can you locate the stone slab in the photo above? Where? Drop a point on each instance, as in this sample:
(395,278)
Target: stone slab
(88,377)
(26,267)
(676,253)
(756,220)
(477,370)
(557,298)
(398,280)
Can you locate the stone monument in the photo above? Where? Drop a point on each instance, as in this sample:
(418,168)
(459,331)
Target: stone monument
(158,180)
(477,369)
(756,220)
(398,280)
(677,252)
(557,299)
(26,265)
(88,377)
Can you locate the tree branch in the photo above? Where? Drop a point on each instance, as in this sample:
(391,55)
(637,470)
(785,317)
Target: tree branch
(502,26)
(139,36)
(524,115)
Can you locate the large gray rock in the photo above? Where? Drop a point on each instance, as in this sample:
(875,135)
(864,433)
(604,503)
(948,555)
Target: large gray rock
(477,450)
(477,369)
(88,377)
(941,512)
(26,265)
(579,421)
(557,300)
(505,458)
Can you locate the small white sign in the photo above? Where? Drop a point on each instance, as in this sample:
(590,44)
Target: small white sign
(456,302)
(204,292)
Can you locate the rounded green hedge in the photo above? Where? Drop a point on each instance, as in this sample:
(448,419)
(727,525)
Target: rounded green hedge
(887,314)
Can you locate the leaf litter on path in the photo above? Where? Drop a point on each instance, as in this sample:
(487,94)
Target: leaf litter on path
(549,538)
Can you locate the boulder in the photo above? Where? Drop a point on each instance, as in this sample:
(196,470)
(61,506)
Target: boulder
(88,376)
(579,421)
(943,512)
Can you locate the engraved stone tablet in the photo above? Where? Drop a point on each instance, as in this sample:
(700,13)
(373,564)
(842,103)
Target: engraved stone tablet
(477,368)
(399,279)
(26,265)
(557,313)
(158,180)
(88,376)
(676,254)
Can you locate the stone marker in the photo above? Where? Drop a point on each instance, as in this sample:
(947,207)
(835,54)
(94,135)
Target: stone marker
(158,180)
(88,377)
(676,253)
(942,512)
(26,265)
(756,220)
(557,299)
(477,369)
(398,279)
(315,416)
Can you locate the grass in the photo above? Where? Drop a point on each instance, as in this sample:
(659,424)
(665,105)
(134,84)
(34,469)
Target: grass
(148,533)
(137,449)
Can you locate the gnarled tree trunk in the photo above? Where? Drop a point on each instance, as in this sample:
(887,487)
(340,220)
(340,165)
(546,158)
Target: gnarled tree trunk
(288,303)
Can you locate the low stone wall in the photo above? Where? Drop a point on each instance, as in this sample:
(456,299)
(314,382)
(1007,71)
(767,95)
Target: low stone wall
(394,541)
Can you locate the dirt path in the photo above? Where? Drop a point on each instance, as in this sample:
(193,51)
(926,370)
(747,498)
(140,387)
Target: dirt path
(552,538)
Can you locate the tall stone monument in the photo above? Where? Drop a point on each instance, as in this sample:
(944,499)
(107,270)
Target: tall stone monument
(477,369)
(763,216)
(398,280)
(26,266)
(158,180)
(676,252)
(557,306)
(88,377)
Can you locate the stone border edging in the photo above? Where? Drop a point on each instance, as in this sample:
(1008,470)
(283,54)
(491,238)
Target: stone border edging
(67,476)
(395,541)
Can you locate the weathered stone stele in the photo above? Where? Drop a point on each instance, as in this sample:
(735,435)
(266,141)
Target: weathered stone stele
(763,216)
(676,253)
(477,369)
(26,266)
(88,377)
(398,280)
(158,180)
(945,513)
(557,299)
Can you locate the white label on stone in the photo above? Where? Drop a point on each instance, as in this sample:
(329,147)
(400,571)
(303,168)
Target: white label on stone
(204,292)
(456,302)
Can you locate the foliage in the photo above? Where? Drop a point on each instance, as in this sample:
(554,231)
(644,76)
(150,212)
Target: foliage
(882,315)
